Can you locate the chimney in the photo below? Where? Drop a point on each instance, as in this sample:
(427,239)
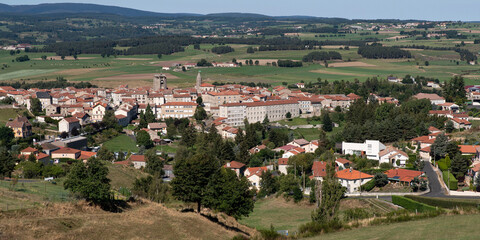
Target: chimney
(351,169)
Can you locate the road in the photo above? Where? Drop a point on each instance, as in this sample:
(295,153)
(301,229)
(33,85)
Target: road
(436,189)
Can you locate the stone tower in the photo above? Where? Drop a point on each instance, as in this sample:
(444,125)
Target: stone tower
(199,81)
(159,82)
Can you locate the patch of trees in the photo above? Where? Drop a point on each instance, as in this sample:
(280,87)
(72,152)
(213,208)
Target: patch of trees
(204,63)
(454,90)
(23,58)
(321,56)
(376,51)
(222,49)
(466,55)
(59,83)
(388,123)
(289,63)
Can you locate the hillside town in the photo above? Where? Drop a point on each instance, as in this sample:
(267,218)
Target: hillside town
(228,108)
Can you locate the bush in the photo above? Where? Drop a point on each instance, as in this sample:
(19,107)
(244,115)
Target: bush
(453,185)
(368,186)
(412,205)
(443,166)
(356,214)
(313,228)
(297,194)
(447,202)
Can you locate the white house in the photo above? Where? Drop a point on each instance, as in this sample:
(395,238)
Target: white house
(68,124)
(352,179)
(370,149)
(393,156)
(138,161)
(254,175)
(283,165)
(238,167)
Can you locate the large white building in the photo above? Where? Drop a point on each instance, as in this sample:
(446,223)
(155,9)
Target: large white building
(370,149)
(235,113)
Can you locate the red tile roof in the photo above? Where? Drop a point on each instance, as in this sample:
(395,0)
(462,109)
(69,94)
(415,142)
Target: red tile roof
(137,158)
(319,169)
(351,174)
(66,150)
(404,175)
(29,150)
(234,165)
(283,161)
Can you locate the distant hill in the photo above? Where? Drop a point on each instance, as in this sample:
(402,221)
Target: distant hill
(51,8)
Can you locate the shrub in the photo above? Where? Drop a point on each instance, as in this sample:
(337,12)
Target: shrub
(447,202)
(412,205)
(313,228)
(453,185)
(442,166)
(356,214)
(368,186)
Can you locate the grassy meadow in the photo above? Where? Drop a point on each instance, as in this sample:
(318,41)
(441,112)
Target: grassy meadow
(121,143)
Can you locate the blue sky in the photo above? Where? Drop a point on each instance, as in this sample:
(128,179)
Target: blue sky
(465,10)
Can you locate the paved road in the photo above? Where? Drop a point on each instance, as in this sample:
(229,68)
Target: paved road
(436,189)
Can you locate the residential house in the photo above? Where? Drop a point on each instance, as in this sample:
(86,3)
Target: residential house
(394,156)
(370,149)
(238,167)
(403,175)
(178,110)
(21,127)
(293,152)
(352,179)
(459,123)
(319,170)
(283,165)
(158,127)
(343,163)
(434,98)
(254,175)
(68,124)
(66,152)
(138,161)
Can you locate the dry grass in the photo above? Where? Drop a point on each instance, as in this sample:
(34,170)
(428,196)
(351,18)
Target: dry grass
(350,64)
(66,58)
(338,73)
(81,221)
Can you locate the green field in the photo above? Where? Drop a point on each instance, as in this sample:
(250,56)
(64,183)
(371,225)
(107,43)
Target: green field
(443,227)
(108,72)
(121,143)
(8,113)
(30,194)
(122,176)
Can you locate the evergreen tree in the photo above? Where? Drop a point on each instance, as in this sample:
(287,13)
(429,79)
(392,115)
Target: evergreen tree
(109,120)
(35,106)
(149,116)
(327,123)
(268,184)
(32,158)
(438,149)
(189,136)
(105,154)
(154,165)
(229,194)
(89,181)
(199,101)
(200,114)
(143,139)
(460,165)
(192,176)
(7,163)
(6,136)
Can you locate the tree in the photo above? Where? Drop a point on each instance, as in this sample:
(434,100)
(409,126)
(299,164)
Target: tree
(35,106)
(89,181)
(105,154)
(6,136)
(189,136)
(7,163)
(200,114)
(427,63)
(268,184)
(75,132)
(250,50)
(63,57)
(229,194)
(327,123)
(199,101)
(329,193)
(154,164)
(192,176)
(302,162)
(287,183)
(109,120)
(171,131)
(460,165)
(143,139)
(149,116)
(44,57)
(63,135)
(159,56)
(380,179)
(438,149)
(288,115)
(32,158)
(152,188)
(449,126)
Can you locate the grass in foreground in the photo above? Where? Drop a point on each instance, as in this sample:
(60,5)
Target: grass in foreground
(121,143)
(442,227)
(122,176)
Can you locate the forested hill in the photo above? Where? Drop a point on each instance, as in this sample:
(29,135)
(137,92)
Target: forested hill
(49,8)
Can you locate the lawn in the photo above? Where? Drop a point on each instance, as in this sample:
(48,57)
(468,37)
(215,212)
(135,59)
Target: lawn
(307,133)
(121,143)
(298,121)
(7,113)
(30,194)
(170,148)
(279,213)
(443,227)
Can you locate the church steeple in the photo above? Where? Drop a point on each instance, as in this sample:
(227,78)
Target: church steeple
(199,81)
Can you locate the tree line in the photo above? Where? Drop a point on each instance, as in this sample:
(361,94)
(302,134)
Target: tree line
(376,51)
(321,56)
(59,83)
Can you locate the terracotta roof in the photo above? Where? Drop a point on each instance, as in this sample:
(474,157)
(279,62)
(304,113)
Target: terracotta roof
(433,129)
(391,149)
(351,174)
(468,149)
(180,104)
(283,161)
(84,155)
(343,161)
(234,165)
(66,150)
(137,158)
(71,119)
(259,104)
(319,169)
(256,171)
(404,175)
(29,150)
(425,149)
(430,96)
(42,156)
(157,125)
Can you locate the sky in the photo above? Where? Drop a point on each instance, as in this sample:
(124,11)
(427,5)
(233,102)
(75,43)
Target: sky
(464,10)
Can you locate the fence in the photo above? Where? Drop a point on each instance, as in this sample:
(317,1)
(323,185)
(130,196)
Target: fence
(30,193)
